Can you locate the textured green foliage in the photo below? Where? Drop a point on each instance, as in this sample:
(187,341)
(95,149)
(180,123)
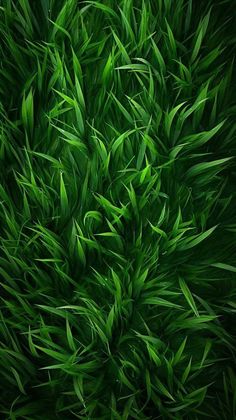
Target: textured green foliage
(117,209)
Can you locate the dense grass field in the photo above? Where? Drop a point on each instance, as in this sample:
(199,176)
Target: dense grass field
(117,209)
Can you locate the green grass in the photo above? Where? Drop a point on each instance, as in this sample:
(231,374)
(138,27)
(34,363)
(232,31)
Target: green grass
(117,209)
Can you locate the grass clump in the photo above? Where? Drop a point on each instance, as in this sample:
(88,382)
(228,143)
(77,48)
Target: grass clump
(117,209)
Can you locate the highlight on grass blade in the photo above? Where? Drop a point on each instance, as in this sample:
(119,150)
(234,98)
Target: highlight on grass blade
(28,111)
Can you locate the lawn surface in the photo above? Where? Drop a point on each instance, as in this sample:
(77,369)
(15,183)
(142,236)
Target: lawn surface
(117,209)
